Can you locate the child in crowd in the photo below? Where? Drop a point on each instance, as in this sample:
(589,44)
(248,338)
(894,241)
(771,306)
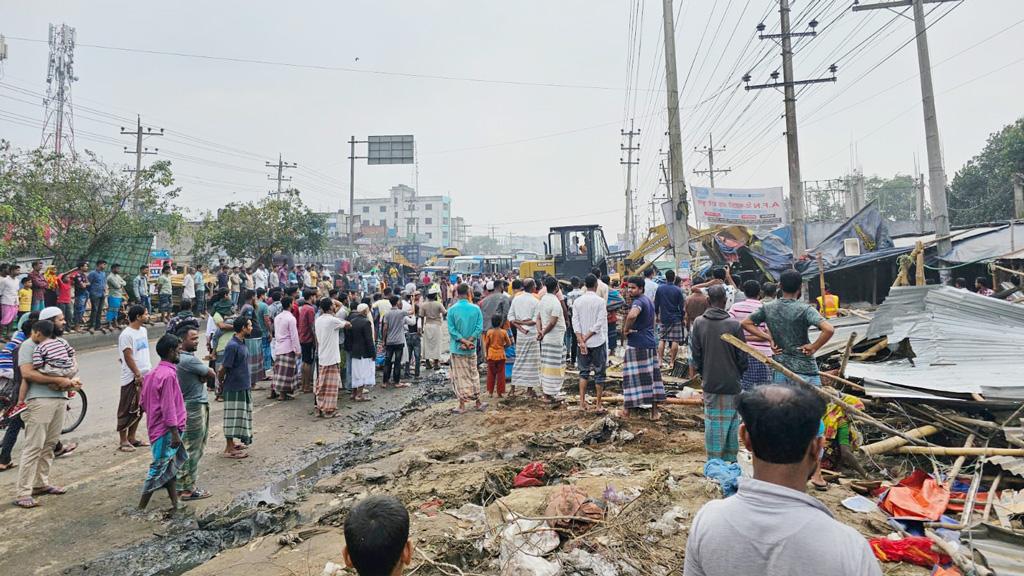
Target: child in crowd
(24,298)
(377,537)
(495,341)
(52,356)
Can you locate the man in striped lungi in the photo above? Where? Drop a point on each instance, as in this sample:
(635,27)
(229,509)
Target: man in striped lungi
(523,317)
(551,334)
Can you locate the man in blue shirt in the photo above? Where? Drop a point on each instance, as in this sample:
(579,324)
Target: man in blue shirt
(234,373)
(668,307)
(97,292)
(465,323)
(641,373)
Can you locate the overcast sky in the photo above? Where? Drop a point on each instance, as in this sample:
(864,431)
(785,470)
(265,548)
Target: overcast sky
(516,106)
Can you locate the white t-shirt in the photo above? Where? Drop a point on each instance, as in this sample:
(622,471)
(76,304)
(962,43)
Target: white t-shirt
(328,344)
(188,290)
(138,342)
(9,291)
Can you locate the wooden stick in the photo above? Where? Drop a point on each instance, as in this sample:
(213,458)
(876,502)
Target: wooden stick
(958,463)
(889,444)
(991,497)
(972,494)
(873,350)
(856,313)
(974,422)
(827,396)
(846,356)
(842,381)
(821,282)
(919,268)
(957,451)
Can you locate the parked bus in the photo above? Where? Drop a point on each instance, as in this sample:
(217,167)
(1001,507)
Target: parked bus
(477,265)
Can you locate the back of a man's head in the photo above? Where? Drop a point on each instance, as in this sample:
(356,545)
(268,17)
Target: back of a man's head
(717,296)
(376,534)
(790,281)
(781,421)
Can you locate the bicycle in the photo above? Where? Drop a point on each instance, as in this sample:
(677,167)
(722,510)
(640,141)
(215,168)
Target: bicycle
(74,412)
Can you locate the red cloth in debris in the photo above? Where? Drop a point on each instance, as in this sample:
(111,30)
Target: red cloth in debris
(980,499)
(916,497)
(913,549)
(530,475)
(951,571)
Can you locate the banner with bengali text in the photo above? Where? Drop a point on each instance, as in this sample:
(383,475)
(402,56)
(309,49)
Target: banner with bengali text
(760,208)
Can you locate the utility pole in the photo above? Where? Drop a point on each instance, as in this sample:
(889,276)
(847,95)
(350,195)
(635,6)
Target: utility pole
(710,150)
(789,84)
(677,192)
(280,166)
(139,152)
(629,162)
(936,173)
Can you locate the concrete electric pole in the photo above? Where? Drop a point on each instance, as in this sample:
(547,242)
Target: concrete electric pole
(139,151)
(630,234)
(936,172)
(679,222)
(280,166)
(710,150)
(788,84)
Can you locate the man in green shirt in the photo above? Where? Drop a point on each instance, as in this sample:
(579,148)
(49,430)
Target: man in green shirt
(115,295)
(164,290)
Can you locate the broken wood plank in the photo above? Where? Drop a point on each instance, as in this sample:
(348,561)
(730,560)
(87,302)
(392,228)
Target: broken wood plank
(958,463)
(870,352)
(846,356)
(895,442)
(974,422)
(845,382)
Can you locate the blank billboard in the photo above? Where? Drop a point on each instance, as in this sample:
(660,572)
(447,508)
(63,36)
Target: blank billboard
(390,150)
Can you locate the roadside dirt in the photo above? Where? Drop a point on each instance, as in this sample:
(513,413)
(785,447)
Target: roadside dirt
(443,466)
(95,529)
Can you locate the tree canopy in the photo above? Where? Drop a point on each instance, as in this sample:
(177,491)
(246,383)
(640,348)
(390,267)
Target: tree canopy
(982,191)
(257,231)
(66,208)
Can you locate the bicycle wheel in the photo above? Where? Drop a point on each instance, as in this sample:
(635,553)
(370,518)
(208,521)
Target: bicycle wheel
(75,411)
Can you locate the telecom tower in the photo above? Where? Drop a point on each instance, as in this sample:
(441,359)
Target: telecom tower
(58,126)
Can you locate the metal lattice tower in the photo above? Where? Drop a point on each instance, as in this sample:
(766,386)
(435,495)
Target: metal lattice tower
(58,125)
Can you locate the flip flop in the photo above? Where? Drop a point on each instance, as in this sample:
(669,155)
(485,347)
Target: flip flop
(26,503)
(234,455)
(66,449)
(402,385)
(139,444)
(4,467)
(126,448)
(50,490)
(196,494)
(458,411)
(482,406)
(820,487)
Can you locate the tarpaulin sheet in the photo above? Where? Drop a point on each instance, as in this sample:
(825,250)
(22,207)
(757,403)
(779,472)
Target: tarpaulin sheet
(867,226)
(916,497)
(913,549)
(769,252)
(991,246)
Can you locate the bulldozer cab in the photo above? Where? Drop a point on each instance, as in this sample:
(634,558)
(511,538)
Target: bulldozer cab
(575,250)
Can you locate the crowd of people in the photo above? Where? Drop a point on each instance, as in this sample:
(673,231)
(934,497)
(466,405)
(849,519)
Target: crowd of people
(307,331)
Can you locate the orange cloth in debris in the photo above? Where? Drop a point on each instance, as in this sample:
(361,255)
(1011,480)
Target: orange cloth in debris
(916,497)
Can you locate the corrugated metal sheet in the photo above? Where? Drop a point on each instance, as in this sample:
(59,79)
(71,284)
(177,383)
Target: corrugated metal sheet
(1001,550)
(964,343)
(1010,464)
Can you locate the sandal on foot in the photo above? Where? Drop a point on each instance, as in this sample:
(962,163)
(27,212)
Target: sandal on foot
(196,494)
(234,455)
(139,444)
(482,407)
(402,385)
(50,490)
(66,449)
(458,410)
(126,447)
(7,466)
(26,503)
(820,487)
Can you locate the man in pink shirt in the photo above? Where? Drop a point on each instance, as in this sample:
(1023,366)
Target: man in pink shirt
(286,349)
(757,374)
(164,406)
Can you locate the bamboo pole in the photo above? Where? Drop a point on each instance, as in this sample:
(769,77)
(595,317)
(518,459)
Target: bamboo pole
(827,396)
(617,399)
(958,451)
(843,381)
(991,497)
(919,267)
(958,463)
(846,355)
(975,422)
(821,282)
(873,350)
(883,446)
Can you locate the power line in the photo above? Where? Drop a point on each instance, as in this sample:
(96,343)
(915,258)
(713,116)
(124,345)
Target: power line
(329,68)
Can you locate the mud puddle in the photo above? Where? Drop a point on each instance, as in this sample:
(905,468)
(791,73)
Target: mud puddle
(186,541)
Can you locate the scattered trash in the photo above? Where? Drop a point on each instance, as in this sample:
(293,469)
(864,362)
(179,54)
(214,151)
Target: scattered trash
(860,504)
(431,507)
(600,431)
(523,545)
(914,549)
(332,569)
(574,509)
(530,475)
(668,524)
(469,512)
(579,560)
(580,454)
(623,435)
(727,475)
(916,497)
(688,392)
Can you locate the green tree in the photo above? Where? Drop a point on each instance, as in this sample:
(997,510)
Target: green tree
(67,208)
(482,245)
(982,191)
(260,230)
(896,196)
